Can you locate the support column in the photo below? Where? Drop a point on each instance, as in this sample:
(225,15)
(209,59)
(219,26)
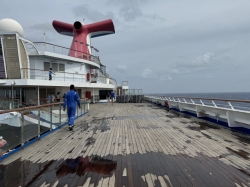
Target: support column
(38,96)
(93,96)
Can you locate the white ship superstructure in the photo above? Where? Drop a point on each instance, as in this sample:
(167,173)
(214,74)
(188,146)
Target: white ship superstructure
(24,74)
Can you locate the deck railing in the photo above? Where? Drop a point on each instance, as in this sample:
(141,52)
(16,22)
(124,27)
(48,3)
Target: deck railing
(19,126)
(214,102)
(43,46)
(28,73)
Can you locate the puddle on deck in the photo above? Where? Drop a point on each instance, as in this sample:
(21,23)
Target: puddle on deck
(34,174)
(75,172)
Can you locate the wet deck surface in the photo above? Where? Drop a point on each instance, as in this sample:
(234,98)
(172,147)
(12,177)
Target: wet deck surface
(132,145)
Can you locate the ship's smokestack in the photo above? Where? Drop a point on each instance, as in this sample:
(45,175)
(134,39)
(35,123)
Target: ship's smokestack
(77,25)
(83,33)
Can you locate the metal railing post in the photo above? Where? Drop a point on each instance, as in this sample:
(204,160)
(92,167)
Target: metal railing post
(231,105)
(22,129)
(192,101)
(84,106)
(60,113)
(39,121)
(81,107)
(50,117)
(201,102)
(214,104)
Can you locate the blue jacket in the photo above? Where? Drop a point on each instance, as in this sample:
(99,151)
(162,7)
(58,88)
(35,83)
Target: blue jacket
(50,72)
(112,95)
(70,99)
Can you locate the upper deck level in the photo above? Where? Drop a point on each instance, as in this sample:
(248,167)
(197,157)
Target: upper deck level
(133,145)
(28,64)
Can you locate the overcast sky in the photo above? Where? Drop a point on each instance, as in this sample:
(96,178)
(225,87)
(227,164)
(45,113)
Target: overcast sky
(160,46)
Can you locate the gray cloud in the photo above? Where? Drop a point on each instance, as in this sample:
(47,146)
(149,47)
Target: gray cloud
(93,15)
(122,68)
(187,44)
(130,12)
(200,62)
(147,73)
(46,27)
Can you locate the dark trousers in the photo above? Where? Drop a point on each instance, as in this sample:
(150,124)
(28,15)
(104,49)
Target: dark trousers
(50,77)
(71,115)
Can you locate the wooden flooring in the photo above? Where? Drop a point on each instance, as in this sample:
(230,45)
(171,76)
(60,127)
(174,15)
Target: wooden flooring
(132,145)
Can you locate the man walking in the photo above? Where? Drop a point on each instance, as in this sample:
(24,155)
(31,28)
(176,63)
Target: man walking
(70,100)
(50,73)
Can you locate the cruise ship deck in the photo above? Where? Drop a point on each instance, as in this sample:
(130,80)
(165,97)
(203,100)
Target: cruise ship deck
(132,145)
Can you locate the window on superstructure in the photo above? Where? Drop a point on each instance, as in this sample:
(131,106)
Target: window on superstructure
(46,66)
(62,67)
(54,66)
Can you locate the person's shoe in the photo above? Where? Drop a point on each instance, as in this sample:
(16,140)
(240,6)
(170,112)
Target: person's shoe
(70,128)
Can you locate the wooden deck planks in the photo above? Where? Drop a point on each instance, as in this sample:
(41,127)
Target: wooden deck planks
(149,148)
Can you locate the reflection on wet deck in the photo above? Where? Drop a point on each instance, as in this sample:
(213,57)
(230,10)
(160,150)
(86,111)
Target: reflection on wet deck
(132,145)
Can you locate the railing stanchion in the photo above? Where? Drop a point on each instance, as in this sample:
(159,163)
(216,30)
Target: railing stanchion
(214,104)
(81,107)
(50,117)
(39,121)
(22,129)
(192,101)
(84,105)
(201,102)
(231,105)
(60,113)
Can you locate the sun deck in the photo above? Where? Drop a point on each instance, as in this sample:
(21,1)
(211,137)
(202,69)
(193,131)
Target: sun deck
(132,145)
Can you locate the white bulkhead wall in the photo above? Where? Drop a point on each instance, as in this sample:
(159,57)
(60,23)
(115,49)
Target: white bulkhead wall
(36,63)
